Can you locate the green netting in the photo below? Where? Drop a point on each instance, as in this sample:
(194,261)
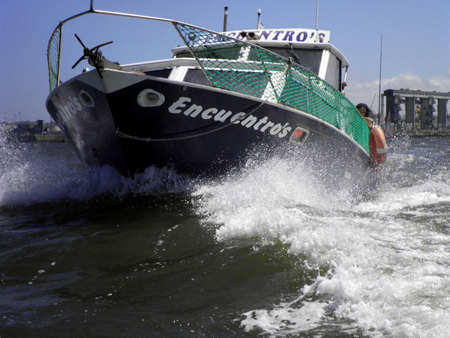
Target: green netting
(249,69)
(53,57)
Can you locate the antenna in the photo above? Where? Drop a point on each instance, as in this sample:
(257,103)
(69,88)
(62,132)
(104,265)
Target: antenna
(379,82)
(258,24)
(317,15)
(317,22)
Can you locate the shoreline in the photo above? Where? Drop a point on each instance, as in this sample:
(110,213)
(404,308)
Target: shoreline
(422,133)
(38,138)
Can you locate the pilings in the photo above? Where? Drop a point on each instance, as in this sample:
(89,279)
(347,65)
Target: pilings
(416,113)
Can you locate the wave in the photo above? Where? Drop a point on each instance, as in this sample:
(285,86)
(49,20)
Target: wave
(378,266)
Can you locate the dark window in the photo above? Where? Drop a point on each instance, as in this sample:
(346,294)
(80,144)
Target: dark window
(197,76)
(333,75)
(186,54)
(158,72)
(308,58)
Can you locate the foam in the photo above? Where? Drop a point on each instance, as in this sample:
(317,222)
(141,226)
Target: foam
(285,319)
(386,271)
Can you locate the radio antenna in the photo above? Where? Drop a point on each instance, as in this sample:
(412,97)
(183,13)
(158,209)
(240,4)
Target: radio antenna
(379,81)
(317,21)
(258,24)
(317,15)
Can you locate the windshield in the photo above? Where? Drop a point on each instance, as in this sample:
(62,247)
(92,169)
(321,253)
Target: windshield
(333,75)
(308,58)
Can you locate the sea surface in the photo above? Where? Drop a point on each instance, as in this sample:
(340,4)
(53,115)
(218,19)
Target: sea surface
(266,252)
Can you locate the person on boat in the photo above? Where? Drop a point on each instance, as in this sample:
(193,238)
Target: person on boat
(364,110)
(377,140)
(366,113)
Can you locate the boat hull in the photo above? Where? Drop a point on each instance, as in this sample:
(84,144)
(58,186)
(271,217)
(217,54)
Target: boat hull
(132,121)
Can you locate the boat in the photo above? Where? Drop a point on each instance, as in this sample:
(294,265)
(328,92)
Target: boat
(222,97)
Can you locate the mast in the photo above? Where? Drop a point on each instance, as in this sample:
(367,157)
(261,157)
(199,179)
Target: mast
(225,19)
(317,21)
(317,15)
(379,82)
(258,24)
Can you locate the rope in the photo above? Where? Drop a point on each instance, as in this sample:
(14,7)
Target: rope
(148,139)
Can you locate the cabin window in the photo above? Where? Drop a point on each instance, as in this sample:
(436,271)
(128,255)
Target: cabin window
(309,58)
(164,73)
(186,54)
(197,76)
(333,74)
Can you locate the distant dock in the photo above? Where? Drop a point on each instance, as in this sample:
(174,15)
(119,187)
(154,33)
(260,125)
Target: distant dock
(31,138)
(416,113)
(422,133)
(30,132)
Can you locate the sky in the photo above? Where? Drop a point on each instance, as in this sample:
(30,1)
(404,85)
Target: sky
(413,35)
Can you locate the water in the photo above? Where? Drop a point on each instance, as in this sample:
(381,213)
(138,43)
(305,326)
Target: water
(267,252)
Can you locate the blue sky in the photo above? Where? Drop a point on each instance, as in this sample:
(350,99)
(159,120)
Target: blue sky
(416,40)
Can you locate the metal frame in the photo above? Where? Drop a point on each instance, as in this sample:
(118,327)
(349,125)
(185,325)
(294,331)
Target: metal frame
(94,11)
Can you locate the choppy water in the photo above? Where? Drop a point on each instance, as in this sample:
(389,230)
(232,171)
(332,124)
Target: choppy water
(263,253)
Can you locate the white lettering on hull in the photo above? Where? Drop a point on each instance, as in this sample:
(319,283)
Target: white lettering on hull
(184,105)
(65,112)
(73,106)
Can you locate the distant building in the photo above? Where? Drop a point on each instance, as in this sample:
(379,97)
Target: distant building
(32,132)
(416,110)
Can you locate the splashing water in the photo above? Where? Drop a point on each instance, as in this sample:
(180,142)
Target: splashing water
(380,266)
(42,173)
(377,268)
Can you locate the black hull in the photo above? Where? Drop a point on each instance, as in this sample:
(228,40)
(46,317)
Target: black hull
(196,129)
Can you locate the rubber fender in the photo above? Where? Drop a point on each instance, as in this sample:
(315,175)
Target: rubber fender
(377,145)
